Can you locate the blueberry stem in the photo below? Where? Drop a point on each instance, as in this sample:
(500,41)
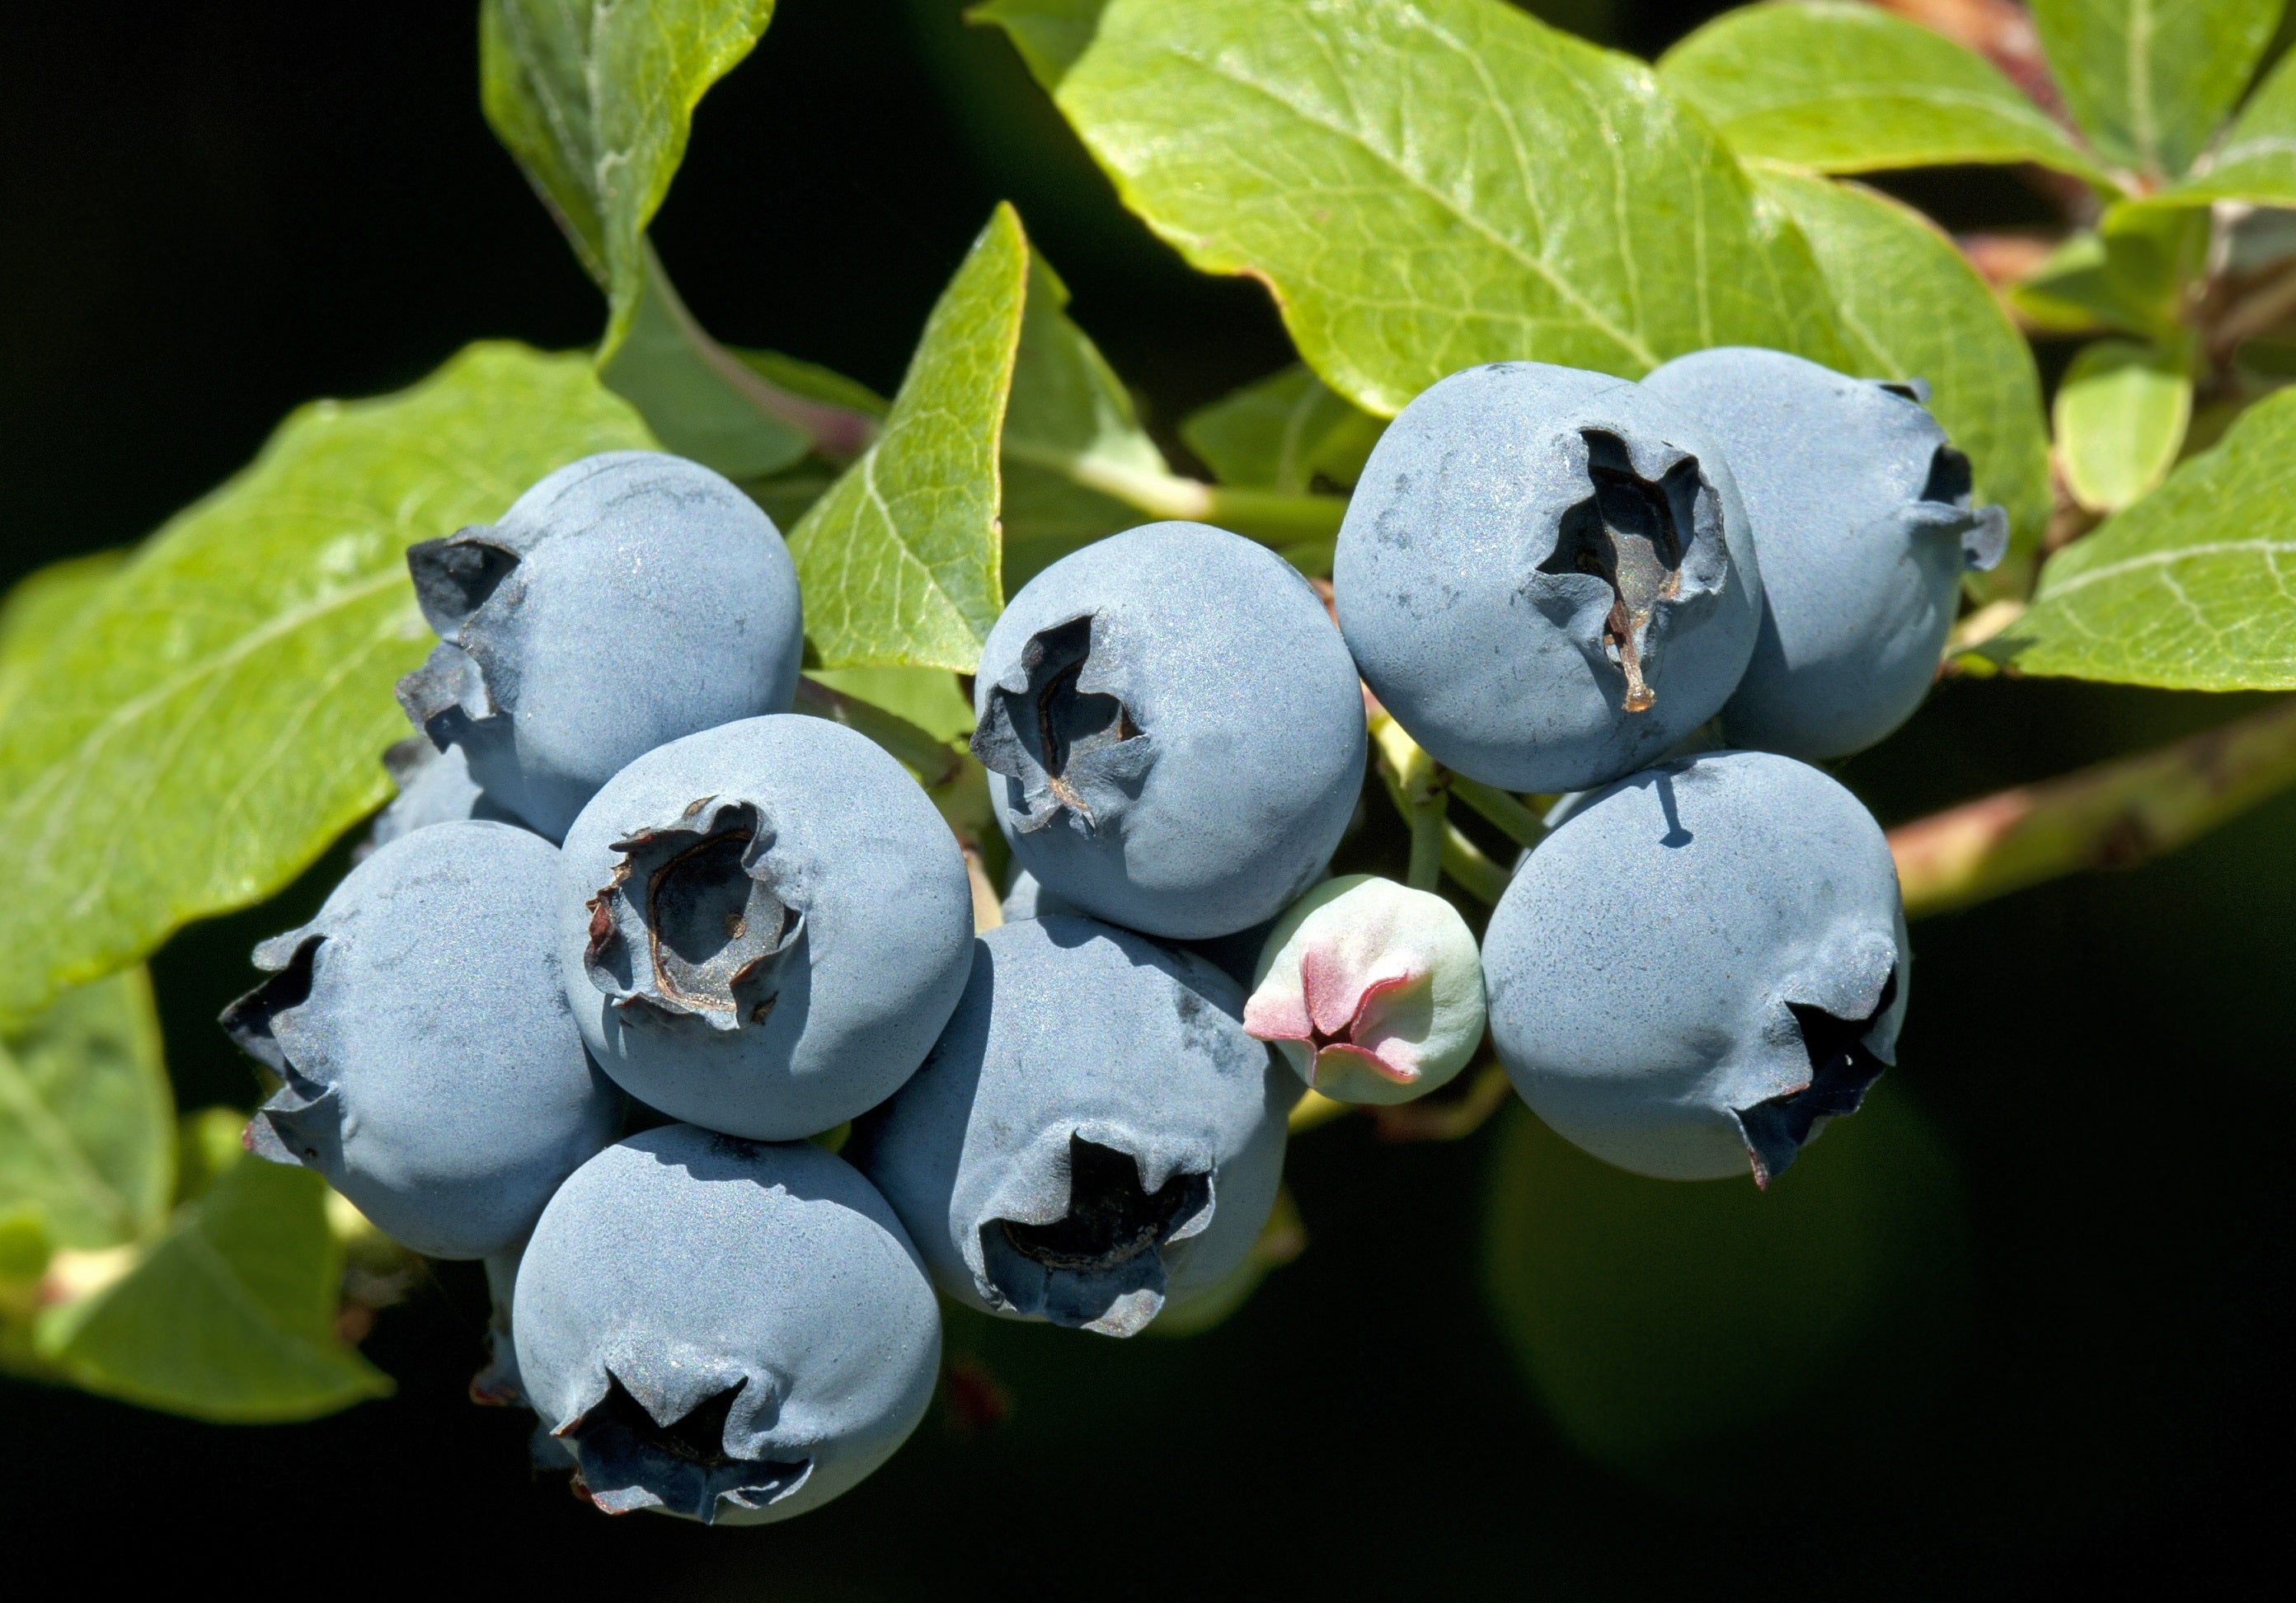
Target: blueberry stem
(1505,813)
(1272,517)
(2113,814)
(1415,785)
(1475,872)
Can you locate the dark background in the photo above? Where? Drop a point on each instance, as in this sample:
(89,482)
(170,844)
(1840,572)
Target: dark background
(214,213)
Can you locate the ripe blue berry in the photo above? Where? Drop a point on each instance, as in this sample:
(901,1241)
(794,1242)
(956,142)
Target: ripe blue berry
(626,600)
(1545,576)
(431,1070)
(1705,964)
(763,926)
(1862,511)
(1177,729)
(434,787)
(724,1329)
(1094,1133)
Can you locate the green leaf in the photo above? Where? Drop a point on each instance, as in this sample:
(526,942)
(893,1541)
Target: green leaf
(2132,273)
(1071,436)
(1283,432)
(899,561)
(213,719)
(1912,306)
(1838,87)
(87,1120)
(812,381)
(40,610)
(1425,184)
(2121,413)
(229,1317)
(2150,80)
(927,697)
(1656,1318)
(1049,34)
(596,102)
(2257,160)
(2189,589)
(699,399)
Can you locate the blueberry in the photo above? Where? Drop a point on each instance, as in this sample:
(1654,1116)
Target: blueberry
(1235,955)
(1705,964)
(1094,1133)
(1862,511)
(763,926)
(1178,730)
(724,1329)
(431,1070)
(434,787)
(1371,991)
(1546,576)
(626,600)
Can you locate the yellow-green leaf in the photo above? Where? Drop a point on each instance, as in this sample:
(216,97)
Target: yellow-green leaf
(899,561)
(2121,413)
(1425,184)
(2150,80)
(1840,87)
(2194,587)
(87,1120)
(230,1317)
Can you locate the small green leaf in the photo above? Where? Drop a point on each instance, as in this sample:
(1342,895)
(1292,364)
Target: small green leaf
(1425,184)
(596,102)
(899,561)
(1283,432)
(1837,88)
(1070,434)
(230,1317)
(2121,413)
(2132,273)
(2257,160)
(2150,80)
(1657,1318)
(2190,588)
(212,720)
(1912,306)
(87,1133)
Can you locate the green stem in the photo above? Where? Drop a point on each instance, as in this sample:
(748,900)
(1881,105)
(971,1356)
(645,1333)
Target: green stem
(1465,862)
(1272,517)
(1509,816)
(2114,815)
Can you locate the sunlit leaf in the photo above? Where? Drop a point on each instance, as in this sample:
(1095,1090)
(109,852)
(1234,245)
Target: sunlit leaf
(2175,592)
(1425,184)
(900,560)
(1840,87)
(2122,411)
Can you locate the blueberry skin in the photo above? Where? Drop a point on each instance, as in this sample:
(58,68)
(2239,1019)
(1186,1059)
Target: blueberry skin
(728,1330)
(626,600)
(1705,963)
(1206,729)
(1533,554)
(434,787)
(432,1071)
(1093,1133)
(763,927)
(1236,955)
(1862,511)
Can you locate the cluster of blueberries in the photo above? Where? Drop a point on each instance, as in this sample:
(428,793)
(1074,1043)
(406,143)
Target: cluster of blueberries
(624,888)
